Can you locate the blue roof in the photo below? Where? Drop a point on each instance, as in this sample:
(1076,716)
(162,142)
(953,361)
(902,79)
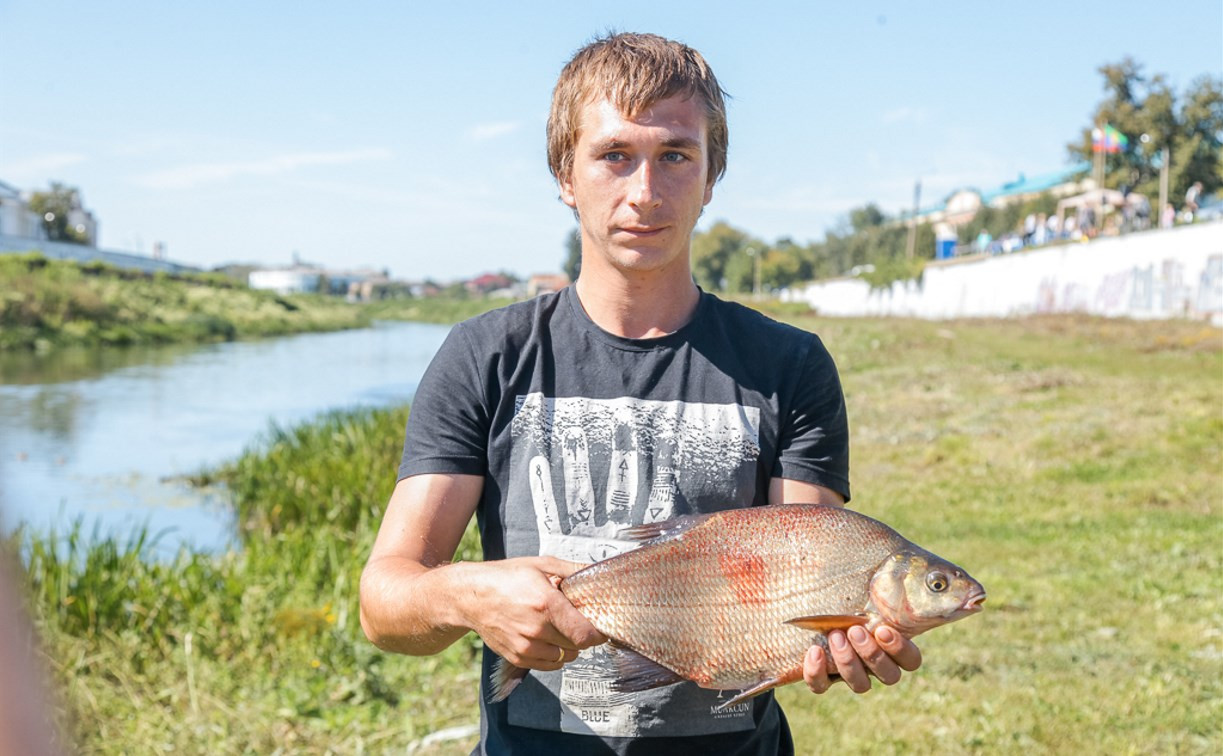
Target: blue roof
(1035,184)
(1020,186)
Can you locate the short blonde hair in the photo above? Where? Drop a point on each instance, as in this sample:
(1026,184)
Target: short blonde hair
(633,71)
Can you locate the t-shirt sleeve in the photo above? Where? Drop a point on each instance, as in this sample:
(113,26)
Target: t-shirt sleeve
(813,445)
(448,424)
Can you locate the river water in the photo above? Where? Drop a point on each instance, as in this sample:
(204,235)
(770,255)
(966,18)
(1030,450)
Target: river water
(101,435)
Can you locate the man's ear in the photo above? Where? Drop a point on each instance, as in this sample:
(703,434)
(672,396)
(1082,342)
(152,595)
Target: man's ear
(565,183)
(708,192)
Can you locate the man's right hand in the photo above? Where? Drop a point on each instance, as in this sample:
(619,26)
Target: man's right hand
(414,601)
(516,607)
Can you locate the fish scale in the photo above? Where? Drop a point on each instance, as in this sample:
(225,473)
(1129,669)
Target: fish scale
(732,600)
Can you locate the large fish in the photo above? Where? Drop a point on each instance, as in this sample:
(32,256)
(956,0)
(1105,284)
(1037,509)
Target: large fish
(732,600)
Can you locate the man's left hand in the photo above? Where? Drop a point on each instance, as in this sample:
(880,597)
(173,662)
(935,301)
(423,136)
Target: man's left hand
(857,655)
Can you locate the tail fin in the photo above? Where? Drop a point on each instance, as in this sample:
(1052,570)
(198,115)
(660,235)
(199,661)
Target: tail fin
(504,679)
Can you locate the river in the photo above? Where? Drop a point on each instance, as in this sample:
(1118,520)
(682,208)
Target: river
(104,435)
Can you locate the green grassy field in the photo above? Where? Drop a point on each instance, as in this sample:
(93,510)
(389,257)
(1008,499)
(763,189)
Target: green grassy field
(1073,465)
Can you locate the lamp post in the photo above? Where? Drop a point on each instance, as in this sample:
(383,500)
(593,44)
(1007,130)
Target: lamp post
(1164,159)
(755,255)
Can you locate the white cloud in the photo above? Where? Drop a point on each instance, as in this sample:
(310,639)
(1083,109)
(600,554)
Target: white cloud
(187,176)
(484,131)
(39,168)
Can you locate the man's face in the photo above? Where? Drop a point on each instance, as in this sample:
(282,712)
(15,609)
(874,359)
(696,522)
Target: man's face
(639,184)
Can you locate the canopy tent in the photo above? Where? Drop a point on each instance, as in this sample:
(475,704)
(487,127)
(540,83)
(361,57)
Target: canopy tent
(1094,198)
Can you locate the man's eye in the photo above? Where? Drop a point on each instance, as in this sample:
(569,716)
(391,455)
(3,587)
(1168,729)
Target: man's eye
(674,157)
(614,157)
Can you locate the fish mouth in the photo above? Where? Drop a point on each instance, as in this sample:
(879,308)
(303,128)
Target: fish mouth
(973,602)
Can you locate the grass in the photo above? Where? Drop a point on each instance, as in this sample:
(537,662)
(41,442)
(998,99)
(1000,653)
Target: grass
(1071,464)
(49,304)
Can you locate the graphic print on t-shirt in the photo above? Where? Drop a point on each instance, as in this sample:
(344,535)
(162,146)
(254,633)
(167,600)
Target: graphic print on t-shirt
(587,468)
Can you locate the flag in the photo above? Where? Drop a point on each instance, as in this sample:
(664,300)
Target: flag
(1108,140)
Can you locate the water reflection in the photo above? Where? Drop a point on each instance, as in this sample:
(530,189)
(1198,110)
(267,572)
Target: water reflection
(103,435)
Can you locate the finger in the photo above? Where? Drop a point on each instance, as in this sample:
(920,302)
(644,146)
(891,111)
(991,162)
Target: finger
(579,491)
(621,478)
(539,476)
(848,664)
(815,670)
(545,657)
(574,630)
(902,650)
(556,567)
(873,656)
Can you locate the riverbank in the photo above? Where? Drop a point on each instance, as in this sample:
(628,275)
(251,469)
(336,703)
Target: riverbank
(48,304)
(1070,463)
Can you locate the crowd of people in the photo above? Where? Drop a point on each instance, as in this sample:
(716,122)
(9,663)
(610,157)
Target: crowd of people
(1111,216)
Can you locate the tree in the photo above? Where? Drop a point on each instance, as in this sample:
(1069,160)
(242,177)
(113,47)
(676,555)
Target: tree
(573,254)
(869,216)
(54,207)
(720,254)
(1136,106)
(1198,155)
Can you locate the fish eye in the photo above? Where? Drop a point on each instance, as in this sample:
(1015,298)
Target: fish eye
(937,582)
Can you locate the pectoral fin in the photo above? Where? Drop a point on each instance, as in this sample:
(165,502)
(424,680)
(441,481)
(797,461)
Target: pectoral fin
(635,672)
(824,623)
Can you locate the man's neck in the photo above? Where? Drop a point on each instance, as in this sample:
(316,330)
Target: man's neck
(637,307)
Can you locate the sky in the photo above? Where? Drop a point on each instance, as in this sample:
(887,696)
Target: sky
(410,135)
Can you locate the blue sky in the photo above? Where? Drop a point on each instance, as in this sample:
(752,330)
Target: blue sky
(409,135)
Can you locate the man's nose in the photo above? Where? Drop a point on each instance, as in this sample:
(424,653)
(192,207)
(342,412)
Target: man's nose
(644,194)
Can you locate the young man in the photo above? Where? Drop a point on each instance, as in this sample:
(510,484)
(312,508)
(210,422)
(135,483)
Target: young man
(629,397)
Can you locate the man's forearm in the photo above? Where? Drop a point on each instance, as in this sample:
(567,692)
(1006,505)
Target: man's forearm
(412,609)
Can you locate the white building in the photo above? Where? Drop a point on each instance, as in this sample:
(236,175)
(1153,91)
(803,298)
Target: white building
(16,218)
(298,279)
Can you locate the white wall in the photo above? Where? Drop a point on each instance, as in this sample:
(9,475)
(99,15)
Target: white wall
(1156,274)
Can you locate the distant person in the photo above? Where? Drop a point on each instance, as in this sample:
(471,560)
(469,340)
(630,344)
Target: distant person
(1054,227)
(1192,196)
(1142,212)
(1168,217)
(630,396)
(983,240)
(1029,229)
(1040,235)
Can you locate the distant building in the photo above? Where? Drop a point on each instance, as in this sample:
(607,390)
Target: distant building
(18,220)
(487,283)
(305,278)
(16,217)
(83,222)
(359,285)
(298,279)
(546,283)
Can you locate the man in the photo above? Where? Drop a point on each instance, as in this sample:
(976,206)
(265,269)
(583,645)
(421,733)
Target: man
(629,397)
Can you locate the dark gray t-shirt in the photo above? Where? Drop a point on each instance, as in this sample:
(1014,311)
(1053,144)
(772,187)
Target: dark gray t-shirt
(578,434)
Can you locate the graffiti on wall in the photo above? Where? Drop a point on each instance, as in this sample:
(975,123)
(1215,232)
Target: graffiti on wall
(1160,290)
(1210,287)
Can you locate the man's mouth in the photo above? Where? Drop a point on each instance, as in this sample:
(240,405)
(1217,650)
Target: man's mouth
(642,230)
